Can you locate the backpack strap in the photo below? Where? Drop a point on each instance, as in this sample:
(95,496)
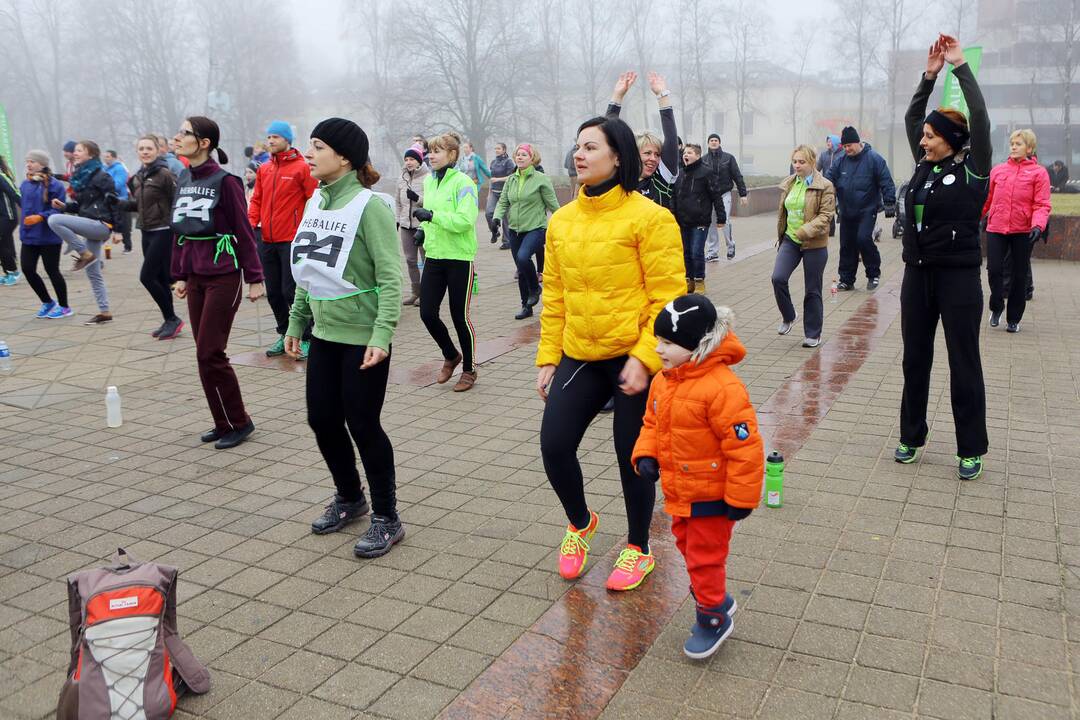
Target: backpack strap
(194,674)
(75,622)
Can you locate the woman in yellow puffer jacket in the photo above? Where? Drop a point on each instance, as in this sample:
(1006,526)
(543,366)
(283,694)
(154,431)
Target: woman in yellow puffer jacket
(614,260)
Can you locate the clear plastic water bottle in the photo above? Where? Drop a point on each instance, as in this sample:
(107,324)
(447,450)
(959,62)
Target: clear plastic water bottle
(5,358)
(833,291)
(114,418)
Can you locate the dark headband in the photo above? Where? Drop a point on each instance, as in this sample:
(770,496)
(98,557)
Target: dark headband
(954,134)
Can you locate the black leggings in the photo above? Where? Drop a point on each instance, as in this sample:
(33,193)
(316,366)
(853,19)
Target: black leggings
(7,244)
(1016,249)
(50,258)
(455,276)
(576,395)
(343,400)
(155,275)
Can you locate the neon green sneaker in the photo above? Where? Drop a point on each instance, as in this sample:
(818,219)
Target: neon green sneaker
(278,348)
(905,453)
(970,468)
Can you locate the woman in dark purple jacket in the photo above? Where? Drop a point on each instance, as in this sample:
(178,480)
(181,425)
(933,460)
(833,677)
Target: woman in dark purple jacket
(214,254)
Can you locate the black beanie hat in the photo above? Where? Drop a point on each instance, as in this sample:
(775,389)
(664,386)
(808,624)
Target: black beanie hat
(711,136)
(849,135)
(685,320)
(346,138)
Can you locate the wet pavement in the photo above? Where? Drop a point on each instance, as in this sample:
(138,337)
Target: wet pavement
(876,591)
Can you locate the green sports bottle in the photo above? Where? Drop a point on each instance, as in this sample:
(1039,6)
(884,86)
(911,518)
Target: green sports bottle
(774,480)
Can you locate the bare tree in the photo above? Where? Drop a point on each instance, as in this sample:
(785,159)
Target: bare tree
(551,21)
(469,66)
(35,29)
(643,40)
(694,54)
(797,85)
(856,44)
(958,14)
(897,18)
(597,48)
(1059,25)
(745,28)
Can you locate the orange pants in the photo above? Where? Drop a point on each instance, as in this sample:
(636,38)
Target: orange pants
(704,542)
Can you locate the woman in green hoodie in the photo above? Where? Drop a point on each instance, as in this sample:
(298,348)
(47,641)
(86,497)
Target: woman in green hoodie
(346,263)
(527,197)
(448,234)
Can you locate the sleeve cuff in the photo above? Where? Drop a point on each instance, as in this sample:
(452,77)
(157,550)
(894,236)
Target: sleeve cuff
(380,338)
(296,327)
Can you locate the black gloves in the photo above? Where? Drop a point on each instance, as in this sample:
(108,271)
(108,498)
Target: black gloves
(736,514)
(422,215)
(648,469)
(1034,235)
(112,200)
(418,237)
(890,211)
(411,194)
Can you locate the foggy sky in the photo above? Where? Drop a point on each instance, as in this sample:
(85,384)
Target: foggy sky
(793,21)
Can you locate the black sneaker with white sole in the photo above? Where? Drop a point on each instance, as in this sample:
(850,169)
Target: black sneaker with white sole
(995,318)
(338,514)
(383,534)
(1012,327)
(872,283)
(843,286)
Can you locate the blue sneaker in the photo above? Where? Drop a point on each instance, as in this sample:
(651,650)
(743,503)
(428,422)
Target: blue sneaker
(45,308)
(6,280)
(712,628)
(60,312)
(13,277)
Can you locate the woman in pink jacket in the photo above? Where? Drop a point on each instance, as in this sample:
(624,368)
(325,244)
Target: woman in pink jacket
(1017,209)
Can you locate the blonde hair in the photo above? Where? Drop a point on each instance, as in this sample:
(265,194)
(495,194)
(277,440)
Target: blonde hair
(647,138)
(448,141)
(533,152)
(809,152)
(725,321)
(1028,136)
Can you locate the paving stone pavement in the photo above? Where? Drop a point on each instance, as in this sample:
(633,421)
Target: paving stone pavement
(877,591)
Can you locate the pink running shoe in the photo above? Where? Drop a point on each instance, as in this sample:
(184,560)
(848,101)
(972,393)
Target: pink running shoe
(574,550)
(630,569)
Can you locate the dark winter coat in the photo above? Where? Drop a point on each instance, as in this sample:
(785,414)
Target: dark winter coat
(97,200)
(726,169)
(696,196)
(863,182)
(152,190)
(955,187)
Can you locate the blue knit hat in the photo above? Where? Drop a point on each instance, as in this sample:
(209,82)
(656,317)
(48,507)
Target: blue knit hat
(282,128)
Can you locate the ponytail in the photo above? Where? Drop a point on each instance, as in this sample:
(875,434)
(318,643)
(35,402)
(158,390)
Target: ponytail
(367,175)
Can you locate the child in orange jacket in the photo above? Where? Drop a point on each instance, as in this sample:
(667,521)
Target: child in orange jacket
(701,441)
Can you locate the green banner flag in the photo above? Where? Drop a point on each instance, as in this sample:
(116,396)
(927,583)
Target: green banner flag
(5,136)
(952,96)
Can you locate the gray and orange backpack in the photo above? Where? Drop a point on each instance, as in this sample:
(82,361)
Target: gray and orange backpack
(127,659)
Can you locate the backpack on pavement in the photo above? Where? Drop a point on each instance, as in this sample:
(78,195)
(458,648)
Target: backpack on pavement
(127,659)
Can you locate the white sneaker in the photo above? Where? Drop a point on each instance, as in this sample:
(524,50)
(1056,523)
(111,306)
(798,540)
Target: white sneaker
(785,327)
(811,342)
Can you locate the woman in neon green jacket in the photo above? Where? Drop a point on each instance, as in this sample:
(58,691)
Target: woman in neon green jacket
(448,234)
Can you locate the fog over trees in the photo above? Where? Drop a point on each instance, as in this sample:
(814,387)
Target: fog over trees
(765,74)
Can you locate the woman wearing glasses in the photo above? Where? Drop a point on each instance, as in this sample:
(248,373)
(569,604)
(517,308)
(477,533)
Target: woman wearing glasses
(214,254)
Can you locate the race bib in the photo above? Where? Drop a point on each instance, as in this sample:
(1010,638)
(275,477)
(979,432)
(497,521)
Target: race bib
(320,249)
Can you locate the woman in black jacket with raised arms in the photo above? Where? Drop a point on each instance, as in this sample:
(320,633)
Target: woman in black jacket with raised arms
(942,257)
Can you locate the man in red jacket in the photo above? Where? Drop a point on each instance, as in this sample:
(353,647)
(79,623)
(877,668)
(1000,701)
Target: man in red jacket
(282,188)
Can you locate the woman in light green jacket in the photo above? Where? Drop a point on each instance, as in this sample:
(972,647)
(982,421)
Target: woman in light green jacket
(448,225)
(527,198)
(347,266)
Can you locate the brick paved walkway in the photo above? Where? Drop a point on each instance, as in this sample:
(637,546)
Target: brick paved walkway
(878,591)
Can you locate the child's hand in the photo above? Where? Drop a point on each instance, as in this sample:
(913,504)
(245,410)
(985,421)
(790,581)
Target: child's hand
(648,469)
(737,513)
